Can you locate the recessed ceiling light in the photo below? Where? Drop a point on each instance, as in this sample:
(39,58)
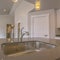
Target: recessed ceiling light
(37,5)
(14,1)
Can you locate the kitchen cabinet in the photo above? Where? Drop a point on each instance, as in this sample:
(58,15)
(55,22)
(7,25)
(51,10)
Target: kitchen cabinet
(42,24)
(58,18)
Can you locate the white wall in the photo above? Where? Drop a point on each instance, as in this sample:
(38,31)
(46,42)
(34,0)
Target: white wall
(4,19)
(21,15)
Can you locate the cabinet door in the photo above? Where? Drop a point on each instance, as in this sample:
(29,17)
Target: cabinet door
(40,25)
(58,18)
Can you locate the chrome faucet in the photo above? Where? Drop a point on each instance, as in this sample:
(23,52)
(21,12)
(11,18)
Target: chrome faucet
(23,33)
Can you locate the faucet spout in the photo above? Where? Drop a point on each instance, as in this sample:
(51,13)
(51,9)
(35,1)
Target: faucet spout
(23,33)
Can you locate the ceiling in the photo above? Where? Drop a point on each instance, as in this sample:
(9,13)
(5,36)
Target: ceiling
(5,6)
(45,4)
(48,4)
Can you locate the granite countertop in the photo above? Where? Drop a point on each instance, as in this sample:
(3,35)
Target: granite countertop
(48,54)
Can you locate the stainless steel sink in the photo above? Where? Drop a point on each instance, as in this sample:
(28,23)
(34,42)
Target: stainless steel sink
(25,47)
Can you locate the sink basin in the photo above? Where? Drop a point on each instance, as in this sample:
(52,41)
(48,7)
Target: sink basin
(25,47)
(11,48)
(22,53)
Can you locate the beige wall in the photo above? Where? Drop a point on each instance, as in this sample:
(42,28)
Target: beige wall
(5,19)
